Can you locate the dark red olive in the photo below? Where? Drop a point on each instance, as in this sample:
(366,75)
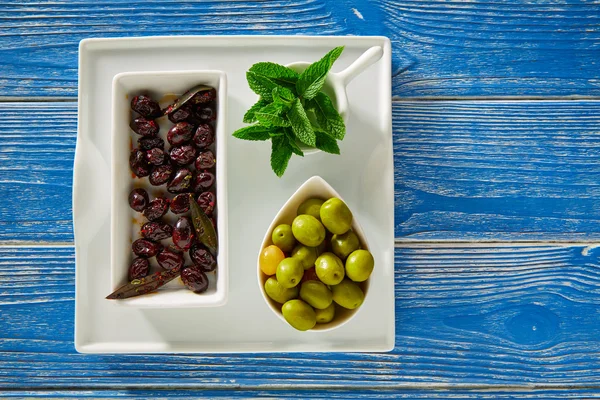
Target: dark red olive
(183,155)
(145,248)
(161,174)
(139,268)
(183,233)
(144,127)
(151,143)
(180,133)
(205,160)
(180,203)
(203,97)
(202,258)
(207,202)
(156,230)
(181,182)
(181,114)
(146,107)
(204,136)
(155,156)
(194,279)
(156,209)
(138,163)
(203,181)
(205,113)
(138,199)
(168,258)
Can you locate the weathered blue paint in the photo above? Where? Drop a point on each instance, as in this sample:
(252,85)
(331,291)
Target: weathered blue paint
(478,315)
(440,48)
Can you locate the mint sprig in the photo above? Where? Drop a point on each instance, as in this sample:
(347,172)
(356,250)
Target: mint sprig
(292,110)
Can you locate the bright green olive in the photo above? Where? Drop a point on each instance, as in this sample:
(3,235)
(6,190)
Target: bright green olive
(316,294)
(306,255)
(299,315)
(336,216)
(343,245)
(308,230)
(329,268)
(279,293)
(348,294)
(325,315)
(283,238)
(289,272)
(359,265)
(311,207)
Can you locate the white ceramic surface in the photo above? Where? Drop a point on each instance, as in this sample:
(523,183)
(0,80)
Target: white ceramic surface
(363,175)
(315,187)
(336,82)
(125,222)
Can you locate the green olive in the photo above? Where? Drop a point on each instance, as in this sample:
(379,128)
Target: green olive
(311,207)
(359,265)
(289,272)
(316,294)
(336,216)
(279,293)
(306,255)
(348,294)
(325,315)
(329,268)
(308,230)
(299,315)
(343,245)
(283,238)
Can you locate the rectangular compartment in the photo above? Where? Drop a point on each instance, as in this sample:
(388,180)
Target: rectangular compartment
(164,87)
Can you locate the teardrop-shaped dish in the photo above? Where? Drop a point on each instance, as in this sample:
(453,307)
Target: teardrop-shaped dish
(315,187)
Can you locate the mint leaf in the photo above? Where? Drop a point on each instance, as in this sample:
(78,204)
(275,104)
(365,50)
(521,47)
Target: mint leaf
(261,85)
(327,116)
(271,119)
(249,116)
(271,115)
(312,79)
(281,152)
(283,96)
(280,74)
(292,142)
(253,132)
(326,143)
(300,124)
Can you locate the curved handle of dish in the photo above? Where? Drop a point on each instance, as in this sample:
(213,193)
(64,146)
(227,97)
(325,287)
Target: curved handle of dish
(368,58)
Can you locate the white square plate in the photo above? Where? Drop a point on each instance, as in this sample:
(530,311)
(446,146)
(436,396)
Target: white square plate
(363,175)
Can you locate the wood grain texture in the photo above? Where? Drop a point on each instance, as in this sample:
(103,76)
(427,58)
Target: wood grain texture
(457,394)
(470,316)
(464,170)
(441,48)
(37,146)
(497,170)
(494,48)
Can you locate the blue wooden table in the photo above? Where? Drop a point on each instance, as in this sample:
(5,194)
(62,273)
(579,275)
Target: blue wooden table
(497,152)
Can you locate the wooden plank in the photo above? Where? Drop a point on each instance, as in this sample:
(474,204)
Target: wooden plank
(37,146)
(464,170)
(518,393)
(441,48)
(498,48)
(497,170)
(465,316)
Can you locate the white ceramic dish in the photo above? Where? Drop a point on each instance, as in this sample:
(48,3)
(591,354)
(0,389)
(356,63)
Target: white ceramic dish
(362,174)
(165,86)
(315,187)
